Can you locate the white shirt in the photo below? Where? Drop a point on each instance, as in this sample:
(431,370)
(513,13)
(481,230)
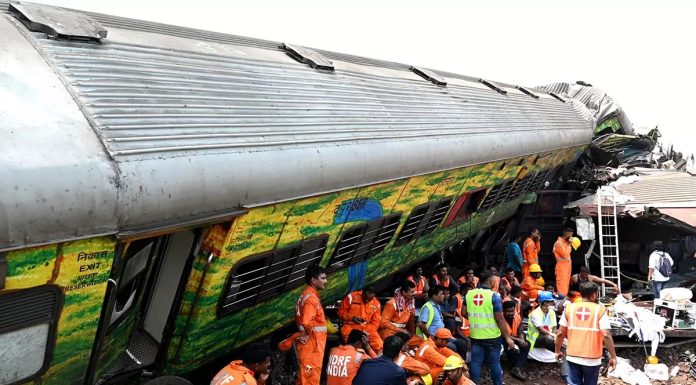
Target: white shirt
(654,262)
(604,324)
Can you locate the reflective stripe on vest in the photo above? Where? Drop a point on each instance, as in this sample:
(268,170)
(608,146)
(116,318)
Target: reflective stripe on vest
(479,305)
(401,359)
(585,339)
(431,317)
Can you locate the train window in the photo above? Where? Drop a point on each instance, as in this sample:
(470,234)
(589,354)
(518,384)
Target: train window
(266,275)
(136,256)
(408,232)
(423,220)
(465,206)
(521,186)
(491,198)
(363,241)
(28,332)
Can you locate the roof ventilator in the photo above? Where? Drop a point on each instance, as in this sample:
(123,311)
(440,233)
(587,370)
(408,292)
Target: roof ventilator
(429,76)
(557,97)
(57,22)
(493,86)
(308,56)
(527,92)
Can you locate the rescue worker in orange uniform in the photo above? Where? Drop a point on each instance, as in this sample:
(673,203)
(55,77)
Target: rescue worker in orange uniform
(421,292)
(530,251)
(344,360)
(455,372)
(442,277)
(398,313)
(434,351)
(518,356)
(516,297)
(530,284)
(254,368)
(361,310)
(469,277)
(415,369)
(310,319)
(561,250)
(586,326)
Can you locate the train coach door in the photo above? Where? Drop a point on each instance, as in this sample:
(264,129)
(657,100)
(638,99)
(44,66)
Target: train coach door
(140,304)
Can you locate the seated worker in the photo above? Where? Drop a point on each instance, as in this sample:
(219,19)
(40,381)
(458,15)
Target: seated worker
(508,281)
(383,370)
(469,277)
(361,310)
(434,351)
(442,277)
(345,360)
(253,369)
(461,324)
(417,372)
(518,356)
(585,276)
(495,279)
(449,312)
(541,330)
(420,294)
(398,312)
(516,296)
(530,284)
(455,372)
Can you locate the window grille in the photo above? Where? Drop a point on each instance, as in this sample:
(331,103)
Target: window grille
(363,241)
(424,219)
(257,278)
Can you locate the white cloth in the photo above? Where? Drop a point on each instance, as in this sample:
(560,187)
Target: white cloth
(604,324)
(654,263)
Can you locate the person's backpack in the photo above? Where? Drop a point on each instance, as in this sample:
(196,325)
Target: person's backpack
(664,267)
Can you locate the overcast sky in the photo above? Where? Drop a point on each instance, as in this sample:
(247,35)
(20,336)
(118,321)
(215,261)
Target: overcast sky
(640,52)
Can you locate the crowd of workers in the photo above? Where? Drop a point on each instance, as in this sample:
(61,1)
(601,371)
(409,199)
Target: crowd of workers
(428,331)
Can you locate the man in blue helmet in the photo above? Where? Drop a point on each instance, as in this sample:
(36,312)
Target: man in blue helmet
(541,330)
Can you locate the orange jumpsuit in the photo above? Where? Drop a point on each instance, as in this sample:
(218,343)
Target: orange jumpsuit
(530,255)
(561,250)
(411,365)
(394,318)
(530,289)
(309,316)
(234,374)
(353,306)
(434,357)
(343,364)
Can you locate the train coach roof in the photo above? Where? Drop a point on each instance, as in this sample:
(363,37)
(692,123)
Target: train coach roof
(135,125)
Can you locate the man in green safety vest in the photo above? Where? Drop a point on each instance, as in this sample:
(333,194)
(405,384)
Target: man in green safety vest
(484,309)
(430,318)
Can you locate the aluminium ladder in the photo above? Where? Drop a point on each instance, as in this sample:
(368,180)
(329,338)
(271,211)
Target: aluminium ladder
(608,237)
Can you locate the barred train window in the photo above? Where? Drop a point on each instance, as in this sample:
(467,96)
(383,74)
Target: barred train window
(260,277)
(28,320)
(423,220)
(364,241)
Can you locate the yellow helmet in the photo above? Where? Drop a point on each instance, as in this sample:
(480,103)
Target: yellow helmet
(330,327)
(535,268)
(575,242)
(541,281)
(427,379)
(453,362)
(652,360)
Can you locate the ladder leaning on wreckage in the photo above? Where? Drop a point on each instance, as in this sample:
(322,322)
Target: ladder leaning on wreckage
(164,189)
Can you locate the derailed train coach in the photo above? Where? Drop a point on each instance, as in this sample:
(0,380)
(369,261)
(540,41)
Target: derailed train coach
(164,189)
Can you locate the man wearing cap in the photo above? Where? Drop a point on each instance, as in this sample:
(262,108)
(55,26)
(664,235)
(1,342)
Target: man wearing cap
(586,326)
(455,372)
(434,351)
(484,309)
(561,250)
(530,284)
(541,329)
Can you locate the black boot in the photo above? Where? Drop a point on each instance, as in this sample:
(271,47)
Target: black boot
(518,374)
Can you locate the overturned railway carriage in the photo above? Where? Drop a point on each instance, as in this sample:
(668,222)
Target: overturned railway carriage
(164,189)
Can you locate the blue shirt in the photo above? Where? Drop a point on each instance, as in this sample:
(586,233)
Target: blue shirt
(514,256)
(380,371)
(438,321)
(497,303)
